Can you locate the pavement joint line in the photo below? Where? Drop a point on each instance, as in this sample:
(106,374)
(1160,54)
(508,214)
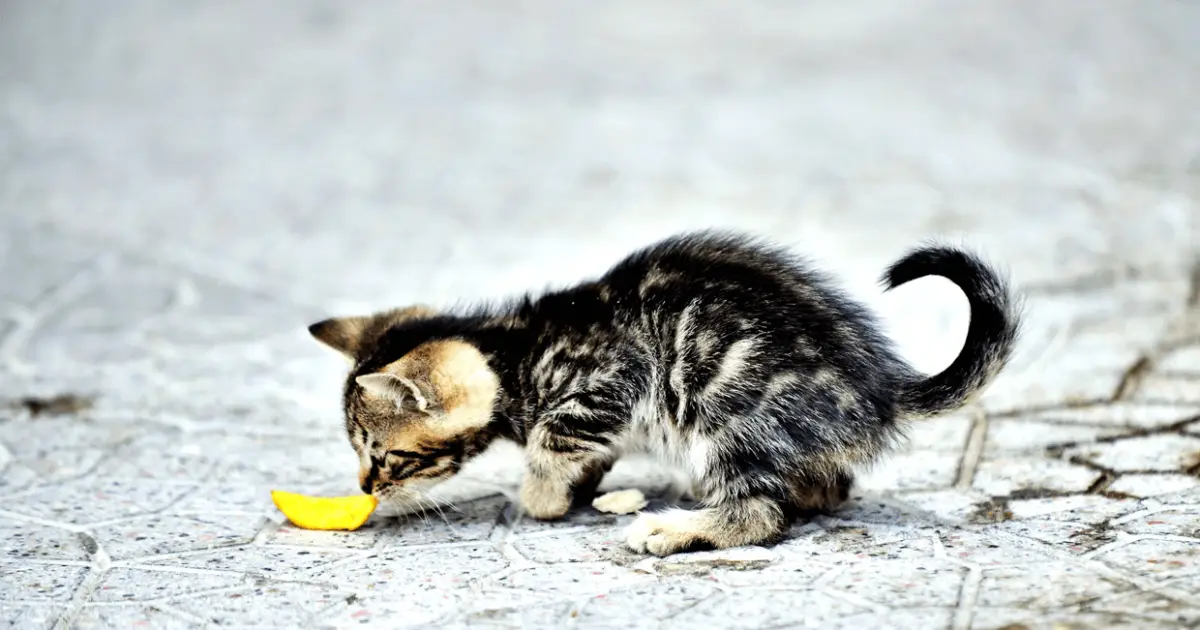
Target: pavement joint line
(202,514)
(91,581)
(16,516)
(341,562)
(512,569)
(168,599)
(972,451)
(964,612)
(1138,584)
(1088,403)
(1172,538)
(968,565)
(855,600)
(143,560)
(171,611)
(162,511)
(47,562)
(821,581)
(325,611)
(39,487)
(1122,540)
(52,300)
(267,528)
(510,552)
(1133,376)
(398,548)
(140,565)
(1033,544)
(1140,514)
(550,533)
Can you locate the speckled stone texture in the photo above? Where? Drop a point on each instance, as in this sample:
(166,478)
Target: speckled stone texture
(185,185)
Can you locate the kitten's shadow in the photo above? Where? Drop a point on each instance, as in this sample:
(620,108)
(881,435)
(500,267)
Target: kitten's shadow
(478,503)
(867,509)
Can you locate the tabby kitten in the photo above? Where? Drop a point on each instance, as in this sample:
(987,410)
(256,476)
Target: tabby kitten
(721,355)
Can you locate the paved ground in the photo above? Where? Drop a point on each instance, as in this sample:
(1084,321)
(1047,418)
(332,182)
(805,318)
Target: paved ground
(184,186)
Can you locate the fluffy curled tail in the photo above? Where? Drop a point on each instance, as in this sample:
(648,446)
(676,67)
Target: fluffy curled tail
(991,335)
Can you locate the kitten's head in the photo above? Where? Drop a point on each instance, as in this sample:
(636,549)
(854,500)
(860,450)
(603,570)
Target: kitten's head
(414,420)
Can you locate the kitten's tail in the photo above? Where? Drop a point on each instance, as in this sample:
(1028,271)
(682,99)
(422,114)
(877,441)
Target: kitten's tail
(991,335)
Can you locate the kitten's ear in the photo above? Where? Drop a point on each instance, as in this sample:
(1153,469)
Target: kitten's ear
(450,376)
(349,335)
(343,334)
(395,388)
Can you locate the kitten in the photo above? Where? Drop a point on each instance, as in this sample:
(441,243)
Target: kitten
(722,355)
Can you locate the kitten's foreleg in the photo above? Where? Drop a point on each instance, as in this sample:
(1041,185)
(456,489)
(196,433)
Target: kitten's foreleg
(554,484)
(555,476)
(731,523)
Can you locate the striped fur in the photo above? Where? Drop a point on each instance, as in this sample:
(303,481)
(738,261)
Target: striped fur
(724,356)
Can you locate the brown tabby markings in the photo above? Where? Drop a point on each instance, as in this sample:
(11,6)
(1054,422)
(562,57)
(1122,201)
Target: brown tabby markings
(727,358)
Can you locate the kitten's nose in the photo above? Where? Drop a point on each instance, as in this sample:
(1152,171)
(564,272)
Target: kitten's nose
(366,480)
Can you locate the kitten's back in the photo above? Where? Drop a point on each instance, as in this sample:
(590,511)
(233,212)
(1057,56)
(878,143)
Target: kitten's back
(711,289)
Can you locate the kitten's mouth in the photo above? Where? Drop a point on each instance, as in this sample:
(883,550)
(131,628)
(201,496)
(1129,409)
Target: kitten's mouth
(388,494)
(391,500)
(397,500)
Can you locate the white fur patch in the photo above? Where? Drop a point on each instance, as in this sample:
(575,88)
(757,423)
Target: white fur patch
(699,456)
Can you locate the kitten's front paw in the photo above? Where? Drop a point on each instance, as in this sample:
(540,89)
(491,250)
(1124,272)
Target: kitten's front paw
(545,500)
(665,533)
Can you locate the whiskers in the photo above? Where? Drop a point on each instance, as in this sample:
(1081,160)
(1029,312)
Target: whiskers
(424,505)
(407,505)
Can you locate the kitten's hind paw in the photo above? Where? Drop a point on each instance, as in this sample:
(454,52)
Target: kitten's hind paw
(620,501)
(668,532)
(748,522)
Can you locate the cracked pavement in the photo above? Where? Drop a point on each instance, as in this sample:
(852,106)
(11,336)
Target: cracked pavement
(185,186)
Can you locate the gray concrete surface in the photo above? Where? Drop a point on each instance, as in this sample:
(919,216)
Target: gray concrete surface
(185,185)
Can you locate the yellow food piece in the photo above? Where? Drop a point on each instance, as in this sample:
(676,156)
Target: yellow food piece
(344,513)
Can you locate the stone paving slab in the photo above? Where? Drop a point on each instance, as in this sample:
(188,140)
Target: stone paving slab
(184,186)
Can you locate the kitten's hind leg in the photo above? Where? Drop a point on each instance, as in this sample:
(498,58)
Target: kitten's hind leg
(732,523)
(812,497)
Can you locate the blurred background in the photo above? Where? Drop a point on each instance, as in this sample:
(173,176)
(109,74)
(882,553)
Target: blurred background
(372,153)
